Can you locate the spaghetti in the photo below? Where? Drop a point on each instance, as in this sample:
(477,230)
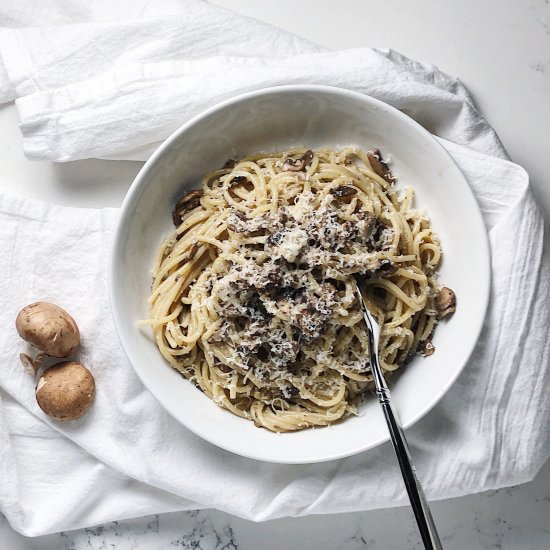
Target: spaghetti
(252,296)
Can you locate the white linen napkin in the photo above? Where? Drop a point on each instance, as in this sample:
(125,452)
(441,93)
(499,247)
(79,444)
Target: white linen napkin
(117,89)
(114,89)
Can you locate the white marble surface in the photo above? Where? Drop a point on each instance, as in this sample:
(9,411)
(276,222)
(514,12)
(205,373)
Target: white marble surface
(501,50)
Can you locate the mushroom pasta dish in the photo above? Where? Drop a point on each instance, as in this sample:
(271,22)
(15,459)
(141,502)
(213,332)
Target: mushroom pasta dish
(253,294)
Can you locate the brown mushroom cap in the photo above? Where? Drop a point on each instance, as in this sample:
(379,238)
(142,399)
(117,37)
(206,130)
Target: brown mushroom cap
(48,328)
(343,191)
(379,166)
(297,165)
(66,390)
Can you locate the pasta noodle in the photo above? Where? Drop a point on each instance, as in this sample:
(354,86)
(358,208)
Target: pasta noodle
(252,296)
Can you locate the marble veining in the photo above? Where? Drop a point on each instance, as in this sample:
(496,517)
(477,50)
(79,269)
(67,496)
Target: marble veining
(205,535)
(199,531)
(513,518)
(540,66)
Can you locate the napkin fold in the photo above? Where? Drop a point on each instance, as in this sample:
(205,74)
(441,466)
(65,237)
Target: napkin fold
(118,89)
(114,89)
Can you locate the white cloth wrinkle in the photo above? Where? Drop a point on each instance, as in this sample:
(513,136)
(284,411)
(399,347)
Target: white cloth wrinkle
(87,118)
(42,58)
(104,78)
(115,89)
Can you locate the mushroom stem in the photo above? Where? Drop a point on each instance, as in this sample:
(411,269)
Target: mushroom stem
(29,363)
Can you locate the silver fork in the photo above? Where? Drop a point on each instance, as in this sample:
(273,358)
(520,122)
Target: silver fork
(419,503)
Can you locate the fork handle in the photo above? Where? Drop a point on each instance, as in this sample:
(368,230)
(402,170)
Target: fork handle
(419,503)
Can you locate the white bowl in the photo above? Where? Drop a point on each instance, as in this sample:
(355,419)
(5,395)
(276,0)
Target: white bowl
(280,118)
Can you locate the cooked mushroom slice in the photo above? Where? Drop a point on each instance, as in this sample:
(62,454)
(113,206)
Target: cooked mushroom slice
(379,166)
(385,268)
(378,236)
(193,250)
(291,165)
(307,158)
(298,165)
(190,200)
(343,191)
(428,349)
(237,180)
(238,222)
(230,163)
(445,302)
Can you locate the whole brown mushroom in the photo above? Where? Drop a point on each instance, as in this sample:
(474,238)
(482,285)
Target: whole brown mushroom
(48,328)
(66,390)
